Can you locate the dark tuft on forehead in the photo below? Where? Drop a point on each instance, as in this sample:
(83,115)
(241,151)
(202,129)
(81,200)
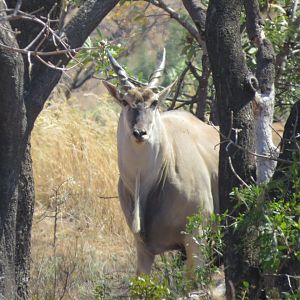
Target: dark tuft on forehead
(140,95)
(147,94)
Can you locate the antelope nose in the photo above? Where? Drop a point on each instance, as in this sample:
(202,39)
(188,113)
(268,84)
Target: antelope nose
(139,134)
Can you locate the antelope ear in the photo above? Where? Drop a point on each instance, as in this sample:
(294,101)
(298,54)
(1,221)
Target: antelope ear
(166,91)
(113,91)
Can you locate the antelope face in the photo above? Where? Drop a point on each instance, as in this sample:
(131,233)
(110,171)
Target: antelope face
(140,111)
(139,104)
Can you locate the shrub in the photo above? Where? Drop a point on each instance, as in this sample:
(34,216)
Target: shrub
(271,230)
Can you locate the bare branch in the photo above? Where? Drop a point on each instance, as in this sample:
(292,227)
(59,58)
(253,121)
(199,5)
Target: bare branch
(75,32)
(295,4)
(29,17)
(17,7)
(68,51)
(55,67)
(226,139)
(176,16)
(36,39)
(236,174)
(108,197)
(178,86)
(197,13)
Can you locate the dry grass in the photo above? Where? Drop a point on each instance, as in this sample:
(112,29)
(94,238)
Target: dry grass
(80,240)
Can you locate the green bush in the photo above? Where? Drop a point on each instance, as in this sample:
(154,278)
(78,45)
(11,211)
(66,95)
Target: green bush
(148,287)
(271,227)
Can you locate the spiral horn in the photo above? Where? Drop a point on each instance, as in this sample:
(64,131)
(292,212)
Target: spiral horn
(123,77)
(155,76)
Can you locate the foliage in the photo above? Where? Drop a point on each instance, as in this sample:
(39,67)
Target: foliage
(102,290)
(171,267)
(271,222)
(94,51)
(147,288)
(207,234)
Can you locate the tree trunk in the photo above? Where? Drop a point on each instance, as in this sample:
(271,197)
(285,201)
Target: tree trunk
(23,92)
(265,97)
(12,129)
(290,141)
(290,151)
(23,225)
(203,89)
(235,88)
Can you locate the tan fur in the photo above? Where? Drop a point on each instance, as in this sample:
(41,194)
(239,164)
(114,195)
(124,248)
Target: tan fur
(138,95)
(169,175)
(180,180)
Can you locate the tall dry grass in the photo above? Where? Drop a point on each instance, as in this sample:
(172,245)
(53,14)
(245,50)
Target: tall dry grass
(80,241)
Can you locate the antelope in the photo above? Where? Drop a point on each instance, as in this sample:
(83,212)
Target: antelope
(168,165)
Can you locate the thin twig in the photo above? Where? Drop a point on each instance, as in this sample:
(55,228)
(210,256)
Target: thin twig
(270,157)
(232,289)
(236,174)
(25,16)
(173,14)
(17,7)
(277,275)
(35,39)
(108,197)
(179,84)
(70,51)
(188,102)
(51,66)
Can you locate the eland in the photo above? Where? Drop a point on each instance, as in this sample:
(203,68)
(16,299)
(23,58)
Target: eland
(168,165)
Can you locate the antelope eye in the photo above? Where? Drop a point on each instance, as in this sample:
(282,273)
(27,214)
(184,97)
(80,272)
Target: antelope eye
(124,103)
(154,103)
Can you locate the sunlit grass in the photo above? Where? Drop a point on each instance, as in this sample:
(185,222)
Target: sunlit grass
(79,234)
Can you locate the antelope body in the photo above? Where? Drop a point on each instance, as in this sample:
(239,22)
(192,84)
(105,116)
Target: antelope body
(168,167)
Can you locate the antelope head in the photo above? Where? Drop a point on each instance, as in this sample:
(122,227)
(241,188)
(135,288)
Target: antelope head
(139,104)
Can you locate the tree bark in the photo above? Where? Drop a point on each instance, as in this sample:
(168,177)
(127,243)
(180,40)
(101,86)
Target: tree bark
(290,151)
(265,97)
(23,93)
(197,13)
(23,225)
(235,89)
(12,130)
(202,91)
(290,141)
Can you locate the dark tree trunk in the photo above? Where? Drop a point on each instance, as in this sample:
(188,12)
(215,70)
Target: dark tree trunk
(23,225)
(197,13)
(234,91)
(265,97)
(22,98)
(290,151)
(203,89)
(12,131)
(290,141)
